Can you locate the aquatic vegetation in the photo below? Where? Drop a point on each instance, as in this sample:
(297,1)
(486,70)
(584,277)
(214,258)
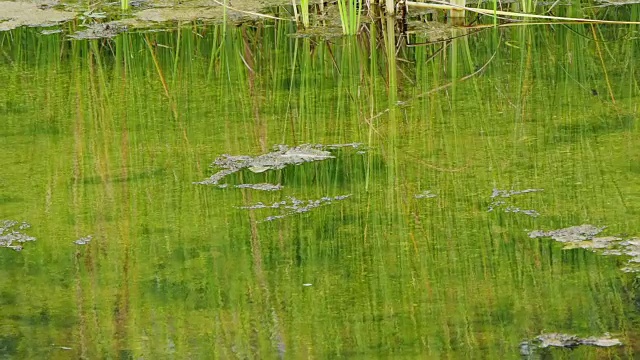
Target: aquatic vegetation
(509,193)
(570,234)
(304,12)
(542,341)
(90,16)
(281,157)
(350,12)
(293,206)
(425,194)
(16,14)
(528,212)
(584,237)
(527,7)
(99,31)
(498,202)
(262,187)
(84,240)
(430,278)
(11,233)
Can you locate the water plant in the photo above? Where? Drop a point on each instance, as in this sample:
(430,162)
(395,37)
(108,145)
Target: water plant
(304,12)
(350,15)
(379,271)
(124,4)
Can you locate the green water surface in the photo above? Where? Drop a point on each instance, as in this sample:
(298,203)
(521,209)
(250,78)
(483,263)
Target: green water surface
(106,137)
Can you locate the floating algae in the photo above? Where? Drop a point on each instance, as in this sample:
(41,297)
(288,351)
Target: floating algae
(84,240)
(17,14)
(509,193)
(570,234)
(281,157)
(425,194)
(99,31)
(543,341)
(294,206)
(529,212)
(262,187)
(584,237)
(498,201)
(9,236)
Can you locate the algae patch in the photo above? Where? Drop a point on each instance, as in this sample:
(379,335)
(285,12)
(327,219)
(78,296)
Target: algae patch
(503,199)
(585,237)
(261,187)
(16,14)
(85,240)
(281,157)
(427,194)
(543,341)
(12,235)
(99,31)
(293,206)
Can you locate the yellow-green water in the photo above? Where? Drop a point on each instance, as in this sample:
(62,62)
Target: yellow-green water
(105,138)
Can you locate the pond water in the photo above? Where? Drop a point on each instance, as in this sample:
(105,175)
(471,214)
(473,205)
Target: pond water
(413,240)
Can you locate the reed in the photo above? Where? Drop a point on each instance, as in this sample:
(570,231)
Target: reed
(528,7)
(304,12)
(124,4)
(350,11)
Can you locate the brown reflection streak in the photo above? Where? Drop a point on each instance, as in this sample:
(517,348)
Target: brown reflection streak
(260,125)
(526,82)
(122,298)
(98,114)
(256,253)
(78,134)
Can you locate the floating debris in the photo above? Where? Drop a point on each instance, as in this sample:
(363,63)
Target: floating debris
(281,157)
(99,31)
(9,236)
(506,194)
(509,193)
(584,237)
(513,209)
(495,204)
(84,240)
(340,146)
(294,206)
(91,15)
(543,341)
(570,234)
(425,194)
(262,187)
(62,347)
(51,31)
